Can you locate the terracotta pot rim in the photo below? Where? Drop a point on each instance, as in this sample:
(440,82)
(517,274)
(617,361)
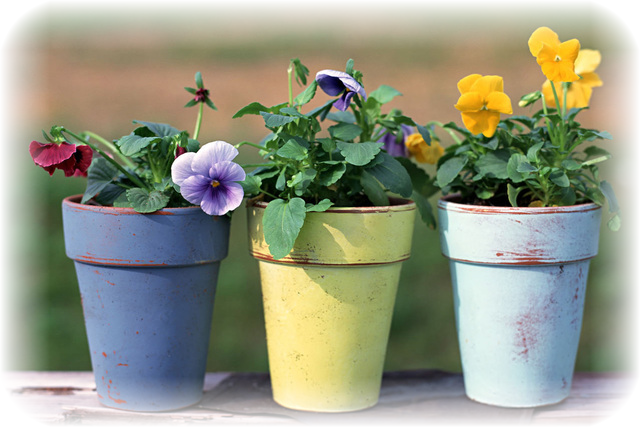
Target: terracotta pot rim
(397,205)
(74,202)
(449,203)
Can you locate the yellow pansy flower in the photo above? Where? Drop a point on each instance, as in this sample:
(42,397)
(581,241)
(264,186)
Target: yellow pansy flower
(579,93)
(481,101)
(555,58)
(423,153)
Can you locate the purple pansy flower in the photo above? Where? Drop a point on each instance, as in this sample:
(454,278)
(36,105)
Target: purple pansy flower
(334,83)
(391,144)
(209,178)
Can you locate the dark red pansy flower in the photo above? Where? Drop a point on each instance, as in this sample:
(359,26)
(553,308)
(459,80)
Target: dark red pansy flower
(71,159)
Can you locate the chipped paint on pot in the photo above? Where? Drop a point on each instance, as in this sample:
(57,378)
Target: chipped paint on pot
(328,304)
(147,283)
(519,278)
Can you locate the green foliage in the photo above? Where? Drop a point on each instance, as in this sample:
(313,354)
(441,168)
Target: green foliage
(528,164)
(342,167)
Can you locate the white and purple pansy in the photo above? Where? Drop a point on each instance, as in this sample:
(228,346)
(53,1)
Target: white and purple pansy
(334,83)
(209,178)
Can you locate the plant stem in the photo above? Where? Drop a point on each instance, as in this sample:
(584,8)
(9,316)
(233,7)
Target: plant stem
(258,165)
(196,132)
(132,177)
(110,146)
(289,74)
(240,144)
(449,131)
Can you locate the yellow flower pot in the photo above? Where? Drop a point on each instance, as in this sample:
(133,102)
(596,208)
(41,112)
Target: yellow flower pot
(328,304)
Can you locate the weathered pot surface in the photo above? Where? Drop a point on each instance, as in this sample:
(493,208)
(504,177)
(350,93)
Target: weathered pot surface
(519,279)
(328,304)
(147,283)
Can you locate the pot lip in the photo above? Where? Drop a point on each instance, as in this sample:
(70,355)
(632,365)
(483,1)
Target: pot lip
(74,202)
(451,203)
(397,205)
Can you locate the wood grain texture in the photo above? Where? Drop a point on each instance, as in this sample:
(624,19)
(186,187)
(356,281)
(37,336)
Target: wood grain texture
(68,398)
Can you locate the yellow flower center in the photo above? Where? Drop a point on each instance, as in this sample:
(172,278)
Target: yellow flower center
(215,183)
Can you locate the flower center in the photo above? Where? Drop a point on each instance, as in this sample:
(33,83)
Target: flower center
(557,58)
(215,183)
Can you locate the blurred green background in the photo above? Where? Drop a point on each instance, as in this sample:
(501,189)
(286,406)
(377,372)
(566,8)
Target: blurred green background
(99,68)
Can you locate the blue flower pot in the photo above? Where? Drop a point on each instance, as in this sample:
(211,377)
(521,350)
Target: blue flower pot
(147,283)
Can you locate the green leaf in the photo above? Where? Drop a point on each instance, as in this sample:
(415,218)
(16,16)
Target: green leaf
(282,180)
(300,181)
(276,120)
(422,183)
(341,116)
(570,164)
(100,174)
(449,170)
(332,174)
(424,132)
(132,144)
(518,168)
(144,201)
(109,194)
(322,206)
(392,175)
(493,164)
(345,131)
(532,153)
(328,144)
(384,94)
(425,209)
(292,150)
(251,184)
(559,178)
(282,222)
(512,193)
(160,129)
(301,71)
(359,154)
(373,190)
(610,195)
(307,95)
(254,108)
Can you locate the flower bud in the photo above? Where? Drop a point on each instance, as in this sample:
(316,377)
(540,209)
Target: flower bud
(529,98)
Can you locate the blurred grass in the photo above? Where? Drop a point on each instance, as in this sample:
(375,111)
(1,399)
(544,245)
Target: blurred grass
(105,80)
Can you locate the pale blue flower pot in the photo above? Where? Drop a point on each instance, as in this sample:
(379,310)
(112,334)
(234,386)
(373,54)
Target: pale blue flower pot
(147,283)
(519,279)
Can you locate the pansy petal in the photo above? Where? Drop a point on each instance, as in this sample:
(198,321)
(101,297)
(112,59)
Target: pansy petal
(500,102)
(227,172)
(470,101)
(587,61)
(470,121)
(492,119)
(487,84)
(222,199)
(83,155)
(569,50)
(352,85)
(330,82)
(344,101)
(464,85)
(194,188)
(181,168)
(210,153)
(590,79)
(51,154)
(542,35)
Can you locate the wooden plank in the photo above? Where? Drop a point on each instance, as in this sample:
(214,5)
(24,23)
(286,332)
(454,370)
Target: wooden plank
(597,398)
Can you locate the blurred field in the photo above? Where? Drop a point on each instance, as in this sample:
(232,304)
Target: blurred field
(105,70)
